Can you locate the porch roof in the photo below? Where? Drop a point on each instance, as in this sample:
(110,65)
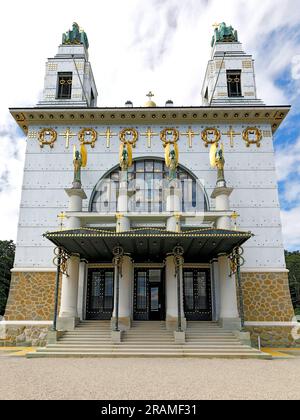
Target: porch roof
(148,244)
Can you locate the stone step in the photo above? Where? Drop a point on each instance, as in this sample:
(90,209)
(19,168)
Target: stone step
(203,355)
(149,347)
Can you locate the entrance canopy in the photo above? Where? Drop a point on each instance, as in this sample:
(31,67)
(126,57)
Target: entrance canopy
(148,244)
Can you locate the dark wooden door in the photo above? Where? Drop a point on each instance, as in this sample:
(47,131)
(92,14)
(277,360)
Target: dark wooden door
(100,294)
(197,295)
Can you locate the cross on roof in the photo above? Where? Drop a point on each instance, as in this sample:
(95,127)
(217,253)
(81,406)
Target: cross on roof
(150,95)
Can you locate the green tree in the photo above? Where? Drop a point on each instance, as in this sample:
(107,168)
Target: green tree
(293,265)
(7,255)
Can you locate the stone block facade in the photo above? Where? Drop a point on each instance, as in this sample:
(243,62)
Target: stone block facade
(267,297)
(31,297)
(281,337)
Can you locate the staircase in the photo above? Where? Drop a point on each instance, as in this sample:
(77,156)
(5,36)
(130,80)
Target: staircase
(148,339)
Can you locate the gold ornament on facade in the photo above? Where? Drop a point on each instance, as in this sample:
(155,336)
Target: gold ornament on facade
(169,132)
(88,136)
(252,131)
(205,135)
(129,132)
(47,137)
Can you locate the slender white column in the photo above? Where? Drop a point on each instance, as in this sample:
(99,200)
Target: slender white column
(123,222)
(171,296)
(221,195)
(229,315)
(125,297)
(76,196)
(69,291)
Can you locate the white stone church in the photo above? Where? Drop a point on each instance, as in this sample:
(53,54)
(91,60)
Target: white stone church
(150,230)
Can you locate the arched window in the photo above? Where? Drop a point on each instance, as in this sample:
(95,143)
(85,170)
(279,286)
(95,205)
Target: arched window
(149,190)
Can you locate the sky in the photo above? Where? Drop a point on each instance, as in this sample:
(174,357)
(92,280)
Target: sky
(162,45)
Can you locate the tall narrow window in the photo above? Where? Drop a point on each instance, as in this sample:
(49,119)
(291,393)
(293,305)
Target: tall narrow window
(64,90)
(234,83)
(92,99)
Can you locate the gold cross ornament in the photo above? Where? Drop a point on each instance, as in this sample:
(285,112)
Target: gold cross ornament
(108,135)
(234,217)
(149,134)
(68,135)
(231,134)
(61,218)
(190,134)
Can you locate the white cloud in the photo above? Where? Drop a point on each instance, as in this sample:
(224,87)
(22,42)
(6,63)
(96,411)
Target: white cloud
(288,160)
(291,228)
(137,45)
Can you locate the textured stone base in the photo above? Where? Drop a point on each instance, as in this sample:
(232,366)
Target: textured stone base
(284,337)
(25,336)
(31,297)
(267,297)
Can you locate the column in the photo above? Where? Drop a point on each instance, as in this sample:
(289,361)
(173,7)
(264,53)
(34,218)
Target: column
(68,316)
(221,195)
(229,315)
(171,296)
(123,222)
(173,205)
(125,294)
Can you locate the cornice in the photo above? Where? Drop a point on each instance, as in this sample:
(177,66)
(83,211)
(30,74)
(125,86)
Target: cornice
(208,116)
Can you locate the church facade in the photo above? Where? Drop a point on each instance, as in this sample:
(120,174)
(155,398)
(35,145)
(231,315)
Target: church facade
(154,213)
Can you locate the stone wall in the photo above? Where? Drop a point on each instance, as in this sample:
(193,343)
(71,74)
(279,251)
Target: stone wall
(25,336)
(275,336)
(31,297)
(267,297)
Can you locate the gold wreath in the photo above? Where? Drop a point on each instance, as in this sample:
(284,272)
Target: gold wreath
(169,131)
(88,132)
(206,132)
(258,135)
(47,132)
(129,131)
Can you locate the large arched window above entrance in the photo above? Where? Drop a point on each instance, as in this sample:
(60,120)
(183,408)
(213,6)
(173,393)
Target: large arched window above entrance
(149,189)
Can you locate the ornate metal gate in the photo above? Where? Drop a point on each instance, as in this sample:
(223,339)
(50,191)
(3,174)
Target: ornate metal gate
(100,294)
(197,295)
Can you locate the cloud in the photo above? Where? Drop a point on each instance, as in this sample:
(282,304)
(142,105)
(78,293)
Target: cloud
(291,228)
(288,161)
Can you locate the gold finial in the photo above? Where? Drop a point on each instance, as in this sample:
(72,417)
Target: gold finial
(61,218)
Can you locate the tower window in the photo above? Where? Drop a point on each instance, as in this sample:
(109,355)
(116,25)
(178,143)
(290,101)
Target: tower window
(64,90)
(92,98)
(234,83)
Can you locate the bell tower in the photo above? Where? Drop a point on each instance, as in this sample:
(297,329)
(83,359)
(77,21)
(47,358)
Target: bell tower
(69,80)
(230,75)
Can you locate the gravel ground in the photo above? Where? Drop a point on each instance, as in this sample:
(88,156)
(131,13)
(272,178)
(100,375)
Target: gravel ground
(132,379)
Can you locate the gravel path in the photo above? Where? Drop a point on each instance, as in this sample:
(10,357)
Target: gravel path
(107,379)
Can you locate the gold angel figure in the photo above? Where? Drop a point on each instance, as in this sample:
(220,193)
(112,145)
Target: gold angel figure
(172,159)
(125,156)
(217,160)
